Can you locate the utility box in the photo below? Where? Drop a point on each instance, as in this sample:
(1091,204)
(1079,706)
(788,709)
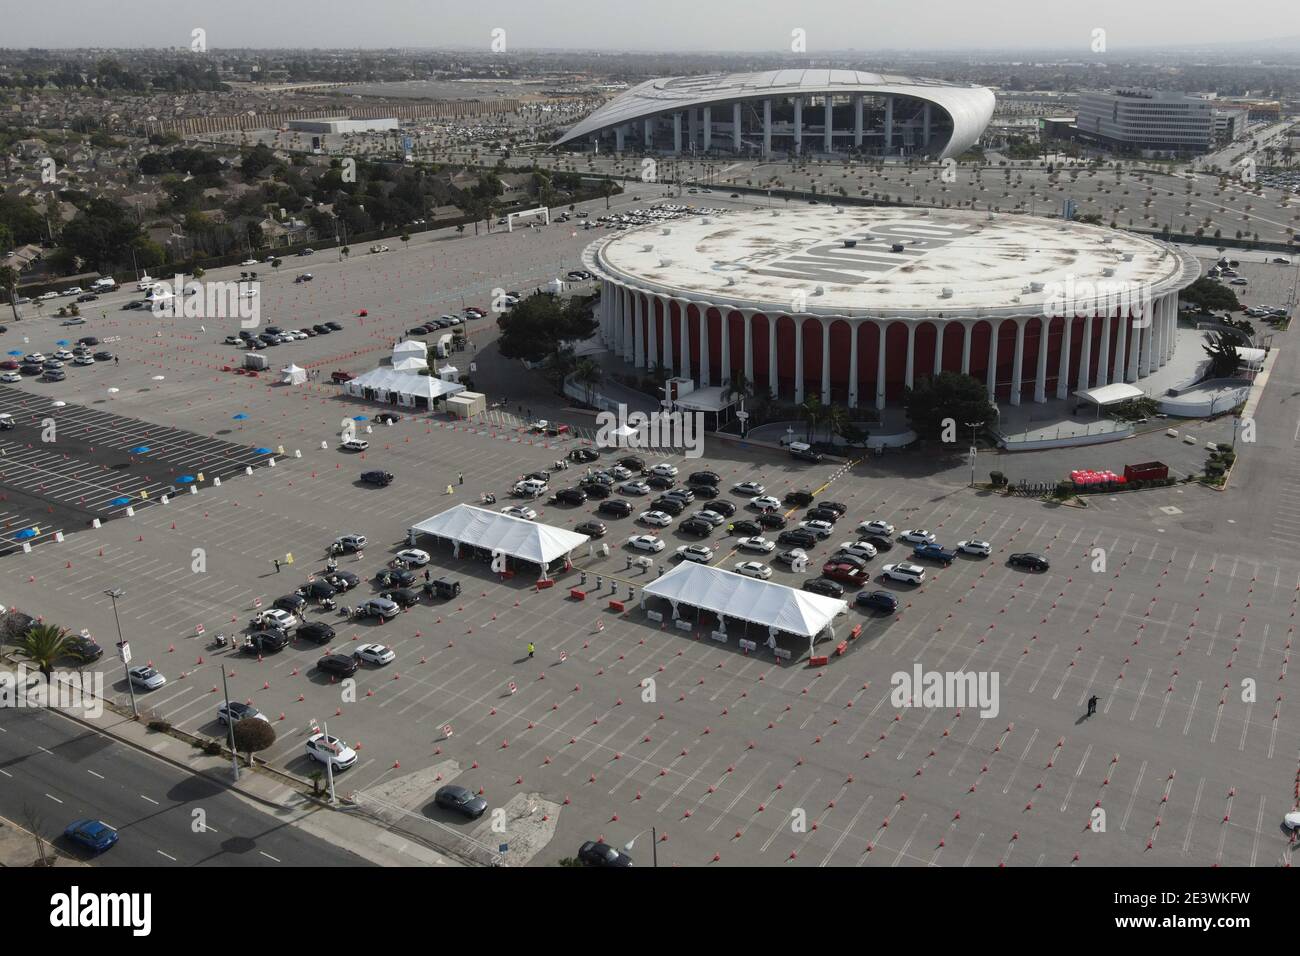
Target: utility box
(1147,471)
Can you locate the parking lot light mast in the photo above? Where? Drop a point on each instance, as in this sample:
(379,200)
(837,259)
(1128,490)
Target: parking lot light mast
(230,723)
(972,426)
(114,594)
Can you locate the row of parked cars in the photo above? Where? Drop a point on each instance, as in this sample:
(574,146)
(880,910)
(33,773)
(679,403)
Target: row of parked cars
(51,368)
(275,335)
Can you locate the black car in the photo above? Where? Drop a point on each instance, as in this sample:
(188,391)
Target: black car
(593,853)
(632,463)
(720,507)
(706,491)
(799,537)
(704,478)
(1029,561)
(344,665)
(266,338)
(402,597)
(824,587)
(395,577)
(592,529)
(322,329)
(381,478)
(571,496)
(696,526)
(801,498)
(88,340)
(460,799)
(837,506)
(745,526)
(596,478)
(133,304)
(584,456)
(822,514)
(879,543)
(418,330)
(318,632)
(293,603)
(772,520)
(662,482)
(672,506)
(334,326)
(82,649)
(807,454)
(616,507)
(342,580)
(877,601)
(266,642)
(597,490)
(87,297)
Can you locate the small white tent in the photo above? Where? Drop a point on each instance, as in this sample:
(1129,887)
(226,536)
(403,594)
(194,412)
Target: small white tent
(293,375)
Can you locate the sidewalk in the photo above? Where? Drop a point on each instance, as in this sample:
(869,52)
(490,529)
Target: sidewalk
(282,796)
(17,847)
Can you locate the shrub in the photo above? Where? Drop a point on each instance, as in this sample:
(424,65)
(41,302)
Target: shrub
(997,479)
(212,748)
(157,723)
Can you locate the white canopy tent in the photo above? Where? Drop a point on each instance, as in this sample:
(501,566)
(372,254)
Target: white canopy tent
(400,386)
(1111,394)
(725,593)
(493,531)
(293,375)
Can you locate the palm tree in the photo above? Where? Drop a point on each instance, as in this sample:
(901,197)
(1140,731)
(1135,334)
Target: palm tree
(811,411)
(588,374)
(739,386)
(9,282)
(607,190)
(44,645)
(835,418)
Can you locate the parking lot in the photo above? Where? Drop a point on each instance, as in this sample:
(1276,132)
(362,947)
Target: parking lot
(734,758)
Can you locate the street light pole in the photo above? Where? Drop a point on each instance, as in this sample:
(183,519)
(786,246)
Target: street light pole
(114,594)
(230,723)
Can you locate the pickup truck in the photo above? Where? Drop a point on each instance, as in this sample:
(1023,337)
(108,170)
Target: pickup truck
(935,552)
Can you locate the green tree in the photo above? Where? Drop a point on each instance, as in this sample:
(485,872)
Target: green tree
(588,374)
(535,328)
(45,645)
(962,398)
(252,734)
(9,282)
(811,411)
(1224,358)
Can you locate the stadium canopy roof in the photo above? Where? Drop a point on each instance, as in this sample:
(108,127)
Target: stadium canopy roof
(747,599)
(1111,394)
(970,107)
(529,541)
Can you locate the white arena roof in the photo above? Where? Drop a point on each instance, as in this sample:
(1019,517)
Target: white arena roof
(525,540)
(747,599)
(905,262)
(970,107)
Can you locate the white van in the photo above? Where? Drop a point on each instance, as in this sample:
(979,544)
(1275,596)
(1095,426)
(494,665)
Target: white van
(145,284)
(106,284)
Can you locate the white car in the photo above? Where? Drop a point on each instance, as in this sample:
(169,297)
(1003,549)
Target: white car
(63,355)
(658,519)
(695,552)
(530,488)
(753,569)
(412,557)
(142,675)
(882,528)
(861,549)
(75,290)
(907,573)
(645,542)
(538,426)
(84,359)
(637,487)
(748,488)
(250,262)
(711,517)
(763,502)
(620,473)
(235,711)
(331,750)
(975,546)
(274,617)
(823,529)
(374,654)
(520,511)
(791,555)
(233,340)
(45,296)
(355,444)
(665,470)
(918,536)
(11,377)
(756,543)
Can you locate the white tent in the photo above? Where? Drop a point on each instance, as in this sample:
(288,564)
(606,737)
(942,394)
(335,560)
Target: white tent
(409,349)
(407,387)
(773,606)
(293,375)
(409,364)
(523,540)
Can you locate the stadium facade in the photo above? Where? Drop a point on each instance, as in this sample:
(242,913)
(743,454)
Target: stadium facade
(791,112)
(856,304)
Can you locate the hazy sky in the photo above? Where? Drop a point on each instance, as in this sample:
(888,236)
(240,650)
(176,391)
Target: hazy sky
(686,25)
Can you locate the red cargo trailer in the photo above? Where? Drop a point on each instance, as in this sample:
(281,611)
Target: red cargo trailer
(1146,471)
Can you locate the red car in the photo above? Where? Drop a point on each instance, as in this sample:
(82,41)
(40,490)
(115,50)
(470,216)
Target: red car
(337,377)
(9,365)
(845,573)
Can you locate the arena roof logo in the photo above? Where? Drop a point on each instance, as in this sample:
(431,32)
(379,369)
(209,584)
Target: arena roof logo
(855,259)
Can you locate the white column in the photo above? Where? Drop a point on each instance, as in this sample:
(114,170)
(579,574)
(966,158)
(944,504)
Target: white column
(1134,349)
(703,309)
(1103,356)
(652,331)
(725,360)
(826,361)
(629,327)
(881,328)
(853,363)
(735,127)
(1085,355)
(1017,364)
(1063,371)
(1173,325)
(616,316)
(827,140)
(938,348)
(708,128)
(684,325)
(1121,343)
(967,330)
(773,381)
(908,378)
(1142,339)
(995,333)
(749,347)
(1158,353)
(798,125)
(1040,375)
(666,306)
(638,330)
(857,119)
(767,130)
(605,303)
(798,359)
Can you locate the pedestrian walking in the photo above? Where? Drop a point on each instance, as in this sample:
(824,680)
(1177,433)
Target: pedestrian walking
(277,565)
(460,479)
(427,575)
(1092,705)
(116,360)
(531,649)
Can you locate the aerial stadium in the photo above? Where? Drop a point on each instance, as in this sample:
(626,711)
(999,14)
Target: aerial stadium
(856,303)
(790,112)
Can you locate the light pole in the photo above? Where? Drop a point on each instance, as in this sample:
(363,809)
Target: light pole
(230,721)
(972,426)
(123,651)
(654,845)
